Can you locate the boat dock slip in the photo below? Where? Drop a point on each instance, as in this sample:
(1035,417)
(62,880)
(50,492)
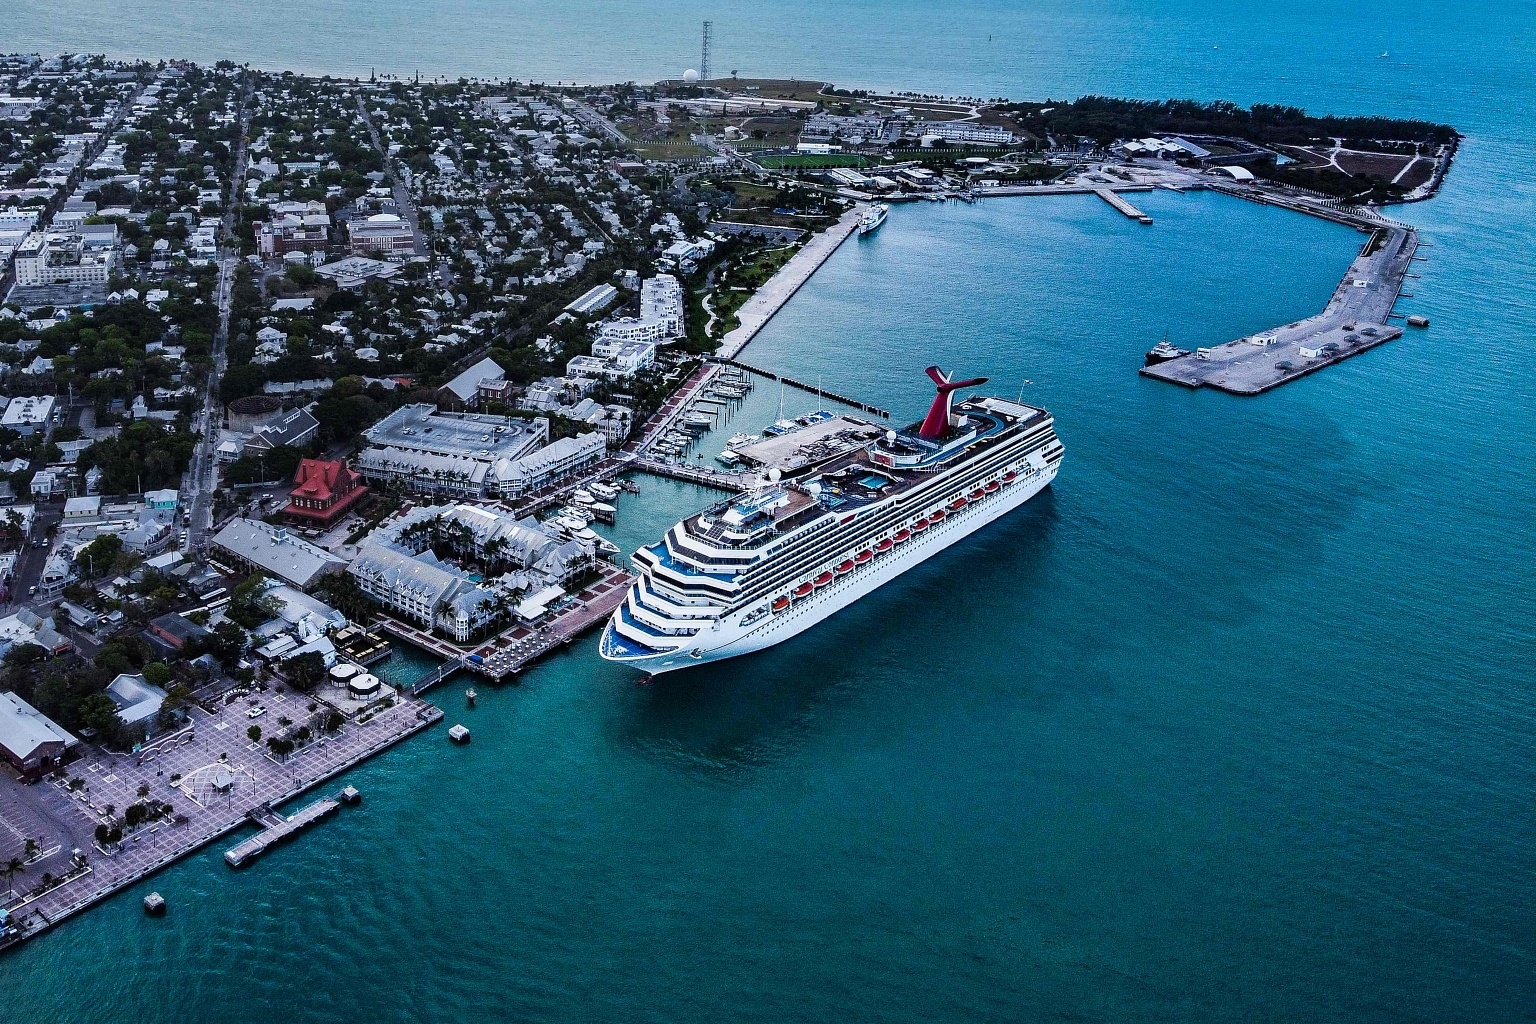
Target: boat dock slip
(1120,204)
(733,483)
(770,298)
(1354,320)
(277,829)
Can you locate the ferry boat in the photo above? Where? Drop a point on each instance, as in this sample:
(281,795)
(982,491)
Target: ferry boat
(841,507)
(873,217)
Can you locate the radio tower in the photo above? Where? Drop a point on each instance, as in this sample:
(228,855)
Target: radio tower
(709,35)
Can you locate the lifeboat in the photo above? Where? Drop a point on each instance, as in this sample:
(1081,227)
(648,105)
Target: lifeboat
(992,487)
(1009,477)
(780,603)
(902,536)
(863,556)
(957,504)
(978,494)
(846,565)
(802,590)
(884,546)
(937,515)
(920,526)
(823,579)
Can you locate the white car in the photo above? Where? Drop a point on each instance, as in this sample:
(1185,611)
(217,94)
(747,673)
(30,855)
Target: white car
(256,712)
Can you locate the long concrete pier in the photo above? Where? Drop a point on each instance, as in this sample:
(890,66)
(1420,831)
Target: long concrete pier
(1354,321)
(770,298)
(800,385)
(1120,204)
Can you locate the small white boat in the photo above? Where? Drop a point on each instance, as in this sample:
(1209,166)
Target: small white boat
(582,497)
(728,458)
(873,217)
(737,440)
(603,491)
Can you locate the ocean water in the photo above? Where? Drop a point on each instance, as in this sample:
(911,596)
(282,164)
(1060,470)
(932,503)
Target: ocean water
(1235,722)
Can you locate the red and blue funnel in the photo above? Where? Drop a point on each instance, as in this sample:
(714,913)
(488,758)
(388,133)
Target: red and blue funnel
(936,425)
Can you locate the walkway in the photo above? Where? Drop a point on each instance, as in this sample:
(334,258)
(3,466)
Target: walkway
(770,298)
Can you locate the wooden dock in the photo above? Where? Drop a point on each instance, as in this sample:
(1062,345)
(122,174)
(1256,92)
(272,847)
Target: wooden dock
(277,829)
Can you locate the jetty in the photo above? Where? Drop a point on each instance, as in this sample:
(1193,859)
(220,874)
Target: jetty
(708,476)
(1354,321)
(277,829)
(1119,203)
(802,386)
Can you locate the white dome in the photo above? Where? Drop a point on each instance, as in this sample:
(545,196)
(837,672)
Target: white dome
(690,76)
(383,218)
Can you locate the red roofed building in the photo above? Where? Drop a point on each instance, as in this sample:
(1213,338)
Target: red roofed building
(323,491)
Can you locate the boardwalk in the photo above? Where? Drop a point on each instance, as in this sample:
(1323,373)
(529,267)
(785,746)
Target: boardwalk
(705,475)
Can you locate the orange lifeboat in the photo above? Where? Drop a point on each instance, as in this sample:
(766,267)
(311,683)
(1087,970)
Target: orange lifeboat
(802,590)
(884,546)
(1010,477)
(823,579)
(992,487)
(845,566)
(978,494)
(920,526)
(902,536)
(937,516)
(780,603)
(957,504)
(863,556)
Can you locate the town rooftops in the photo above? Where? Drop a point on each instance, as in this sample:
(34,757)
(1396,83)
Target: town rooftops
(293,428)
(319,479)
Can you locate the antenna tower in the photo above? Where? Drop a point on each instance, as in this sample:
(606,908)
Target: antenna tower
(709,37)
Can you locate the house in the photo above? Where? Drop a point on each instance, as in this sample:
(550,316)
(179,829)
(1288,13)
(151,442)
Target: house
(162,500)
(323,491)
(31,741)
(139,703)
(174,631)
(464,390)
(27,414)
(293,429)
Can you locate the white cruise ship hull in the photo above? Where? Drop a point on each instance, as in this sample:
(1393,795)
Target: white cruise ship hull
(728,638)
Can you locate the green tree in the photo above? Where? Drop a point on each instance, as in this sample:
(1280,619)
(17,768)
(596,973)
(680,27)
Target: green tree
(157,672)
(97,712)
(254,733)
(305,671)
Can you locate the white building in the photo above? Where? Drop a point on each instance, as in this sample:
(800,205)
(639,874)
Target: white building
(64,257)
(383,233)
(28,414)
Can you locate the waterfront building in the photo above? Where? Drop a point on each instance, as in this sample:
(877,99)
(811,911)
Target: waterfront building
(31,741)
(323,491)
(261,547)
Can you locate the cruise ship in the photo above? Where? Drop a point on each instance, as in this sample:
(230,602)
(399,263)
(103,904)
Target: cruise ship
(841,507)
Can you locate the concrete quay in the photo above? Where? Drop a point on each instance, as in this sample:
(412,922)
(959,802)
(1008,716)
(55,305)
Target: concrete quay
(205,807)
(1109,196)
(1354,321)
(278,829)
(770,298)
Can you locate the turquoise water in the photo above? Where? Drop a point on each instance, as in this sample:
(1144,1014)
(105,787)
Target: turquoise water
(1234,723)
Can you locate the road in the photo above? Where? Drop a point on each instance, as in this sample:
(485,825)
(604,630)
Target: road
(202,473)
(403,201)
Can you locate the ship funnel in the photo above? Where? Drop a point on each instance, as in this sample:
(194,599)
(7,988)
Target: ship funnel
(939,418)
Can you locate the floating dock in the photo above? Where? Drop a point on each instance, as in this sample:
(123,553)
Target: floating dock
(1109,196)
(1354,321)
(277,829)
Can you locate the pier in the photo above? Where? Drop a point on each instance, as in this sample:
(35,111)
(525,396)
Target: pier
(802,386)
(1120,204)
(1354,320)
(705,475)
(277,829)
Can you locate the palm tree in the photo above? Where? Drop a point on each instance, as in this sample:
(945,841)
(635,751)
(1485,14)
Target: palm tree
(11,867)
(29,849)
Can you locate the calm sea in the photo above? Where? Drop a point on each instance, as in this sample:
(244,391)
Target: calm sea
(1235,723)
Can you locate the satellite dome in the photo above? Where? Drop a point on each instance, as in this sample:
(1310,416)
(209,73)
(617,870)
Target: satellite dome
(690,76)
